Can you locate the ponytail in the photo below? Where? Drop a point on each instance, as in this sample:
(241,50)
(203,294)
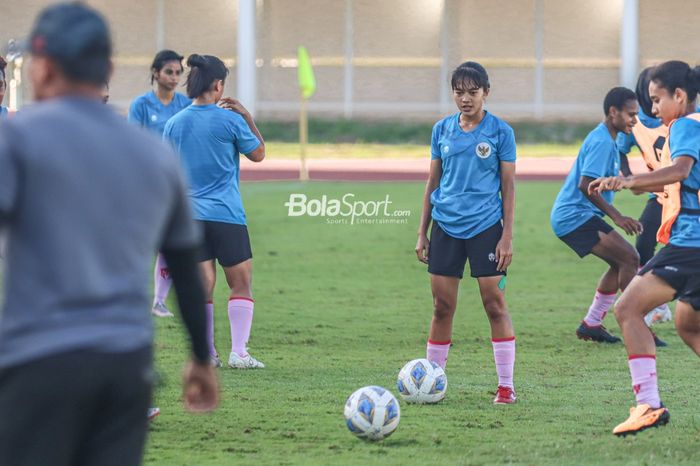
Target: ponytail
(694,79)
(3,65)
(204,70)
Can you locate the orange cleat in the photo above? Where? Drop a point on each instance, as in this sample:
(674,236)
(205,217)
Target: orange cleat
(642,417)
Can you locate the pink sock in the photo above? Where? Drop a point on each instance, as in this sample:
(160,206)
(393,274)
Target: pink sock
(210,328)
(161,279)
(240,316)
(643,370)
(599,307)
(504,355)
(437,352)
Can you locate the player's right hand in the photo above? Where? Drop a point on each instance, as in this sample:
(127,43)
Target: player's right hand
(200,387)
(234,105)
(422,248)
(629,225)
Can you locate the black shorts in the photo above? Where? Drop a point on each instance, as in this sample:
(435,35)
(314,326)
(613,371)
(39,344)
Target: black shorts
(679,267)
(228,243)
(651,221)
(584,238)
(76,408)
(447,255)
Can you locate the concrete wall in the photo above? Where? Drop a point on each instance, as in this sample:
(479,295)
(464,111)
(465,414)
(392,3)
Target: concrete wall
(401,50)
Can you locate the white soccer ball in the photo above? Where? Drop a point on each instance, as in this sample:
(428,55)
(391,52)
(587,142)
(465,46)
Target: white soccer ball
(372,413)
(422,381)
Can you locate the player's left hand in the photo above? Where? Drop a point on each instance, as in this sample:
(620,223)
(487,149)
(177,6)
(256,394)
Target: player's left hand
(504,254)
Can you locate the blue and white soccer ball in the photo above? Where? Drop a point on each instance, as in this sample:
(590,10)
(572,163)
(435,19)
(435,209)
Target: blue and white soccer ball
(372,413)
(422,381)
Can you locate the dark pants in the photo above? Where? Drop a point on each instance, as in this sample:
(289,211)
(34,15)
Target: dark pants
(76,408)
(651,221)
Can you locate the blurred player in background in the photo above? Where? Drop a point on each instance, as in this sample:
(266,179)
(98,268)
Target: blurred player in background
(3,114)
(577,216)
(673,273)
(210,140)
(87,199)
(470,198)
(152,110)
(3,86)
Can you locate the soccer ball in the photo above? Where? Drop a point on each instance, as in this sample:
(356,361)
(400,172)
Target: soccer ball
(372,413)
(422,381)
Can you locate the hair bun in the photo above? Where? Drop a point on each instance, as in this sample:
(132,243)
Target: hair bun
(695,73)
(195,61)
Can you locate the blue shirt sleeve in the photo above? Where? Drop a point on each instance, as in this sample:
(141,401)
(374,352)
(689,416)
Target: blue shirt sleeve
(684,139)
(435,140)
(596,159)
(136,113)
(625,142)
(244,139)
(167,131)
(506,141)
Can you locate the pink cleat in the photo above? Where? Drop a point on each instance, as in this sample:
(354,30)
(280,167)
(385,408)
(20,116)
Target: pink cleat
(504,396)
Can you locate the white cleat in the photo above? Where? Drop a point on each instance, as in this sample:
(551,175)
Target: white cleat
(214,361)
(161,310)
(658,315)
(246,362)
(152,413)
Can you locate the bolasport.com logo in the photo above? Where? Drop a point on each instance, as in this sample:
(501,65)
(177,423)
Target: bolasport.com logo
(348,210)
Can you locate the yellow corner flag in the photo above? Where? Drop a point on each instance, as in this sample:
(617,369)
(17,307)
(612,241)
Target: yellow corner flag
(305,73)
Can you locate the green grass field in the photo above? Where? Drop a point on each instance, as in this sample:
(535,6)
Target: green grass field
(290,150)
(343,306)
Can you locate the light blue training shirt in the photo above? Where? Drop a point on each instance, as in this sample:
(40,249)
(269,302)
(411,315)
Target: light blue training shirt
(599,156)
(467,200)
(149,112)
(684,140)
(210,140)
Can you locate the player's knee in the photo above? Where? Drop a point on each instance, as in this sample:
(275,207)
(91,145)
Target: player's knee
(443,307)
(495,306)
(630,259)
(622,310)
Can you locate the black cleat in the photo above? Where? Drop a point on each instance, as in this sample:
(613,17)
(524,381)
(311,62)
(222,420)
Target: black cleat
(658,341)
(596,333)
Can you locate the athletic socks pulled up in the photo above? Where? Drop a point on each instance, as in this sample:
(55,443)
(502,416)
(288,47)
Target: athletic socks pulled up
(162,280)
(644,383)
(209,308)
(504,356)
(437,352)
(240,316)
(599,308)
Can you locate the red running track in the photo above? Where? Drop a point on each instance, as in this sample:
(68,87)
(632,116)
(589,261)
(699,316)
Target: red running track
(527,169)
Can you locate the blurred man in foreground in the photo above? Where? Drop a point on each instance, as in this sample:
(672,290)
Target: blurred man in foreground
(83,193)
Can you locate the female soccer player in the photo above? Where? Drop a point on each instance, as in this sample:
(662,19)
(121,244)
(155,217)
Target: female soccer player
(675,271)
(209,139)
(470,198)
(3,86)
(152,110)
(649,135)
(577,215)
